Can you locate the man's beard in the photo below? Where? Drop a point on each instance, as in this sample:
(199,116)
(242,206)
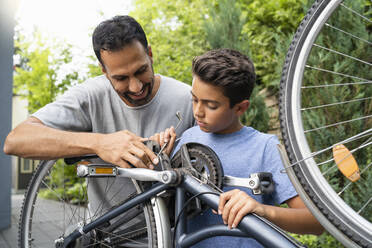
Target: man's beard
(145,86)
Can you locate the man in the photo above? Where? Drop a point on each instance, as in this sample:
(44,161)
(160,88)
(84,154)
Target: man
(108,115)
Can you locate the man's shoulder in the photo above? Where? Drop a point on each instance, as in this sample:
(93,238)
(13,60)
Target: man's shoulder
(98,82)
(94,86)
(175,84)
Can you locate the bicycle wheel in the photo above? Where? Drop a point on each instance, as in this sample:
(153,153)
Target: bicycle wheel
(326,99)
(56,203)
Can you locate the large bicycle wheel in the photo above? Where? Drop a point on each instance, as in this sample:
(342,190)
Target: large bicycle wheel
(326,99)
(56,203)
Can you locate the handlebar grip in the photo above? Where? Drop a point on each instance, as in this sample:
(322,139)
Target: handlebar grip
(74,160)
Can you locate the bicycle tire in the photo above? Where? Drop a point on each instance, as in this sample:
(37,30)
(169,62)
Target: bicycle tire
(34,230)
(333,212)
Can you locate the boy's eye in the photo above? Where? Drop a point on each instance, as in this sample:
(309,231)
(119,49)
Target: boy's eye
(212,106)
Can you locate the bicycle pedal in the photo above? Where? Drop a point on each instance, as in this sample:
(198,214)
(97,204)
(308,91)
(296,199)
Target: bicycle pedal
(96,170)
(346,162)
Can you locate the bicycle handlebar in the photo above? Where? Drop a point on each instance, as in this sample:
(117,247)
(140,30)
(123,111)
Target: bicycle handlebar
(254,226)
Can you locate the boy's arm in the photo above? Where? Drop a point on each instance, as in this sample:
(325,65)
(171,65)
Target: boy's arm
(235,204)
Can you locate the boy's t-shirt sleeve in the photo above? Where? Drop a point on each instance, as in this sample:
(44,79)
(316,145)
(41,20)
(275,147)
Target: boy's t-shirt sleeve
(284,189)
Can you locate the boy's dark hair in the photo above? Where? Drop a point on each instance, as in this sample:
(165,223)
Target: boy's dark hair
(115,33)
(228,69)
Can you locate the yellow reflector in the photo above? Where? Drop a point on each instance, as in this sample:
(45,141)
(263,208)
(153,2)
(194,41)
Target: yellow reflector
(104,170)
(346,162)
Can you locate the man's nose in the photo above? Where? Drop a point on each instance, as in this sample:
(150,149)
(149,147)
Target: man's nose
(135,85)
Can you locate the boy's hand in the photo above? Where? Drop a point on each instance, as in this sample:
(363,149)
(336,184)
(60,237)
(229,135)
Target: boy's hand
(235,204)
(168,136)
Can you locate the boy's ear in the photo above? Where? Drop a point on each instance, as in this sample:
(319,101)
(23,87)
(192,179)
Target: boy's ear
(242,107)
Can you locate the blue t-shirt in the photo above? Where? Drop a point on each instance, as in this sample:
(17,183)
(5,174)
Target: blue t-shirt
(241,153)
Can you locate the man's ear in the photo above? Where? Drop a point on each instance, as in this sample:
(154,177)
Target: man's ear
(103,69)
(150,53)
(242,107)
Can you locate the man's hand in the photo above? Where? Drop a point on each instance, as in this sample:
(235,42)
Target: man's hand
(235,204)
(124,147)
(168,136)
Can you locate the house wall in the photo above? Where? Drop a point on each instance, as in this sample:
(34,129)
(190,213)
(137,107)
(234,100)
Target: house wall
(22,169)
(6,78)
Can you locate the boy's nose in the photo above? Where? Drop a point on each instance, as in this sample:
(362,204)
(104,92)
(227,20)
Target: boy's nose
(198,110)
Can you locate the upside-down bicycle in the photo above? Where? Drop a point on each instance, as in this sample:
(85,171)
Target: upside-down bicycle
(143,220)
(324,103)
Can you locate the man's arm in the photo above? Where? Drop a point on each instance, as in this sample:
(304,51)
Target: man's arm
(235,204)
(33,139)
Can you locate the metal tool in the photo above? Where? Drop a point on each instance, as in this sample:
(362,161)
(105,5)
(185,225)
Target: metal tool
(178,114)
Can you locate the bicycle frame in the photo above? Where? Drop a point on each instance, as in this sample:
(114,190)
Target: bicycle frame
(251,225)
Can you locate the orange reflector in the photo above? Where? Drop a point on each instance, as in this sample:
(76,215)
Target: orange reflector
(346,162)
(104,170)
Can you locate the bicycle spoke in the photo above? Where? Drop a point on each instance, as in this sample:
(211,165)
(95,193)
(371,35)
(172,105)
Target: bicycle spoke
(97,242)
(333,85)
(350,139)
(347,33)
(337,103)
(356,13)
(122,238)
(63,202)
(100,206)
(342,54)
(53,191)
(124,219)
(365,205)
(338,123)
(336,73)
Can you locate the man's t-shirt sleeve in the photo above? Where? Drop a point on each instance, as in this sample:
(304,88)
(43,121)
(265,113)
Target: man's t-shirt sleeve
(68,112)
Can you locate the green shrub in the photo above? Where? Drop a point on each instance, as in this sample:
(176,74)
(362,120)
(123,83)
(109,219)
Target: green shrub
(64,185)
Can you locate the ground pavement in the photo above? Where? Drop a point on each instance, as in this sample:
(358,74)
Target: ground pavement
(8,237)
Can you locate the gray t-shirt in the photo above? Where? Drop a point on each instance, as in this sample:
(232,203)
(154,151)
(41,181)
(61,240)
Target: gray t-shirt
(94,106)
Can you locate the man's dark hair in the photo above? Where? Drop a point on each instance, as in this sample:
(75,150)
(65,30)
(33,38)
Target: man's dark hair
(228,69)
(115,33)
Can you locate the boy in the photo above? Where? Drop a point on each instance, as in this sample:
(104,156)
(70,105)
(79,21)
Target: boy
(223,81)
